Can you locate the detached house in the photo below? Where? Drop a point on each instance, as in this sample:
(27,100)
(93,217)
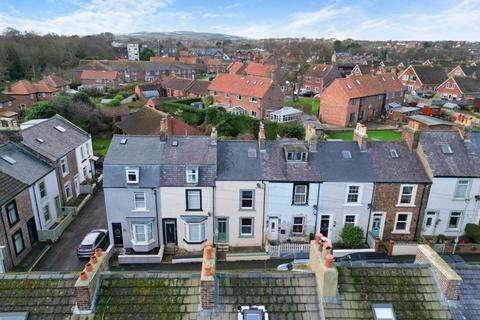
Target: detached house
(41,180)
(67,147)
(347,101)
(453,166)
(58,83)
(254,96)
(25,93)
(177,87)
(422,78)
(99,79)
(457,88)
(319,76)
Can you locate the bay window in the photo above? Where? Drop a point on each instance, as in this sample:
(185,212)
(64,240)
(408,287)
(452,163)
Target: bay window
(142,233)
(195,232)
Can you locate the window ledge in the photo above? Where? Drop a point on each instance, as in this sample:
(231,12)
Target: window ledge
(246,209)
(197,210)
(194,242)
(144,243)
(405,205)
(140,210)
(353,204)
(400,232)
(300,204)
(246,236)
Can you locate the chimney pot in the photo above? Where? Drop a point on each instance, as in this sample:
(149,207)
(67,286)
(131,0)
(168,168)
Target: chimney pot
(98,252)
(318,237)
(213,137)
(329,261)
(83,276)
(88,267)
(261,136)
(360,135)
(209,243)
(207,269)
(93,260)
(208,252)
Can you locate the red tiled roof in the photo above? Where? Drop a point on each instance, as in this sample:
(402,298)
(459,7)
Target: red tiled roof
(55,81)
(260,69)
(319,70)
(243,85)
(217,62)
(364,86)
(163,59)
(236,67)
(98,74)
(30,87)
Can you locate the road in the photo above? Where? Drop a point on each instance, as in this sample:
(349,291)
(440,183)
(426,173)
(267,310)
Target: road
(62,255)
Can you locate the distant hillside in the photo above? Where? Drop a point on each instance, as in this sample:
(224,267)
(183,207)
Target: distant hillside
(177,35)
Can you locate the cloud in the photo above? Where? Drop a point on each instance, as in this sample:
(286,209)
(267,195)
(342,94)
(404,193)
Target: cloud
(302,20)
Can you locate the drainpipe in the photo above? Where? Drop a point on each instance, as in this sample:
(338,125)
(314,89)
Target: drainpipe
(213,213)
(420,215)
(156,214)
(263,216)
(370,211)
(317,210)
(7,247)
(36,205)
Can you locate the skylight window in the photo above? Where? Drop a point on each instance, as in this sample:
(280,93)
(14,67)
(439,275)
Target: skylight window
(61,129)
(393,153)
(346,154)
(446,149)
(9,160)
(252,153)
(383,312)
(123,141)
(40,140)
(358,82)
(349,86)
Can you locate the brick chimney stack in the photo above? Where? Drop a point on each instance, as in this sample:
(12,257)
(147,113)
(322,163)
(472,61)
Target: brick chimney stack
(311,137)
(213,137)
(207,278)
(321,262)
(361,137)
(164,128)
(261,137)
(411,134)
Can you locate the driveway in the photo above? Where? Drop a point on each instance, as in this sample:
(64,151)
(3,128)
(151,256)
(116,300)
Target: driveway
(62,255)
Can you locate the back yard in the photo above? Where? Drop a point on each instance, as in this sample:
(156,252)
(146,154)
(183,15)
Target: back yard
(380,135)
(308,105)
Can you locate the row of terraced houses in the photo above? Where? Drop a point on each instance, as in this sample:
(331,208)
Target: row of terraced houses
(180,191)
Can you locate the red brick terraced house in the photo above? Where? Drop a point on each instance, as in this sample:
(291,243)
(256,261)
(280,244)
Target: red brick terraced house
(99,79)
(422,78)
(255,96)
(319,76)
(457,88)
(347,101)
(26,93)
(216,66)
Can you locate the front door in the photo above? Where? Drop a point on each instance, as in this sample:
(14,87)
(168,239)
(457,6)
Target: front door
(376,225)
(222,229)
(117,234)
(324,225)
(170,231)
(351,119)
(430,222)
(273,229)
(32,231)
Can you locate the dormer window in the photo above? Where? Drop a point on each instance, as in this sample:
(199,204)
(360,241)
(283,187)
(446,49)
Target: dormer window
(132,175)
(296,156)
(192,174)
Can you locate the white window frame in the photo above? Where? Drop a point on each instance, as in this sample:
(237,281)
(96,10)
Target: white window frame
(69,184)
(82,152)
(252,207)
(295,193)
(137,201)
(226,95)
(64,162)
(201,231)
(132,171)
(412,196)
(467,189)
(246,235)
(191,174)
(48,213)
(407,223)
(296,225)
(44,189)
(359,195)
(354,223)
(147,231)
(188,205)
(459,220)
(253,100)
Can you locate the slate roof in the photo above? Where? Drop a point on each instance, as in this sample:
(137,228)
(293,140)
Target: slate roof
(461,163)
(10,187)
(235,163)
(468,304)
(56,144)
(43,296)
(468,85)
(138,150)
(277,168)
(475,143)
(27,168)
(407,168)
(285,296)
(430,75)
(148,296)
(334,168)
(410,288)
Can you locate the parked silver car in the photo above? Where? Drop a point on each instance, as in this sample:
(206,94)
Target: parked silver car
(94,239)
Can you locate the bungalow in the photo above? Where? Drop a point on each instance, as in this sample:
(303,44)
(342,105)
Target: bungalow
(359,98)
(319,76)
(459,87)
(422,78)
(99,79)
(255,96)
(25,93)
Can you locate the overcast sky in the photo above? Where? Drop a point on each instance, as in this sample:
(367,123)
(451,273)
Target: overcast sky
(358,19)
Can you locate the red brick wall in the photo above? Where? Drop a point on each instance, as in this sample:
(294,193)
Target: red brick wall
(27,100)
(416,85)
(386,200)
(444,91)
(73,170)
(25,213)
(103,82)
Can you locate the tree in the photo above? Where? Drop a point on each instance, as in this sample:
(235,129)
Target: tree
(41,110)
(146,54)
(352,236)
(337,45)
(207,101)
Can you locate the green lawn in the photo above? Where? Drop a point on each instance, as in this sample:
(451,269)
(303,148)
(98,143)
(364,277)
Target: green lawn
(302,101)
(382,135)
(100,147)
